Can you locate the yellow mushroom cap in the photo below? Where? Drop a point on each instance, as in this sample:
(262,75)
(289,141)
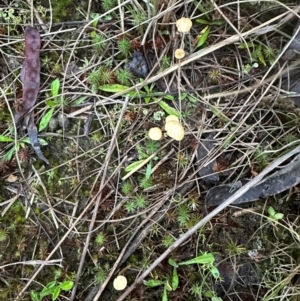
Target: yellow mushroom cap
(172,117)
(179,53)
(175,130)
(155,133)
(120,283)
(184,24)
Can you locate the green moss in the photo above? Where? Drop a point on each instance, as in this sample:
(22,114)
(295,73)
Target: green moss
(60,10)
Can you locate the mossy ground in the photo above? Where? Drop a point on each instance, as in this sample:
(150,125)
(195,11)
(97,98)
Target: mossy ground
(80,209)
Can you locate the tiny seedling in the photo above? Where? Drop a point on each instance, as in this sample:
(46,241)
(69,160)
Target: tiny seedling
(273,215)
(53,289)
(20,144)
(55,85)
(172,282)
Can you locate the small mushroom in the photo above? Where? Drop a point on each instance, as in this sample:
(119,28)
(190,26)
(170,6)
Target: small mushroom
(184,24)
(175,130)
(155,133)
(120,283)
(179,53)
(172,117)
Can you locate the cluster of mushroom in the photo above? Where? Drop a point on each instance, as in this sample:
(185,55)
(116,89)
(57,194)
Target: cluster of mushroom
(173,128)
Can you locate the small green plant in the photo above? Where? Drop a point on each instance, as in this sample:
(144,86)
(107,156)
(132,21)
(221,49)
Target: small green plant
(155,230)
(167,240)
(273,215)
(165,63)
(52,104)
(289,138)
(152,146)
(184,215)
(100,275)
(140,201)
(19,145)
(100,239)
(248,67)
(99,42)
(196,289)
(124,46)
(130,206)
(100,77)
(96,137)
(123,76)
(264,54)
(52,289)
(172,282)
(261,158)
(109,4)
(214,75)
(138,17)
(233,249)
(3,235)
(146,182)
(127,188)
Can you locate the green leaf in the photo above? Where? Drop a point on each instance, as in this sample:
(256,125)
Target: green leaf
(50,285)
(95,17)
(260,56)
(278,216)
(202,259)
(168,109)
(116,88)
(148,171)
(79,100)
(200,7)
(271,211)
(204,36)
(168,286)
(66,285)
(219,114)
(9,154)
(215,272)
(55,87)
(24,140)
(207,22)
(165,295)
(43,141)
(153,282)
(133,165)
(52,103)
(203,21)
(56,293)
(47,291)
(183,96)
(46,119)
(169,97)
(34,296)
(172,262)
(175,279)
(27,140)
(6,139)
(246,45)
(209,294)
